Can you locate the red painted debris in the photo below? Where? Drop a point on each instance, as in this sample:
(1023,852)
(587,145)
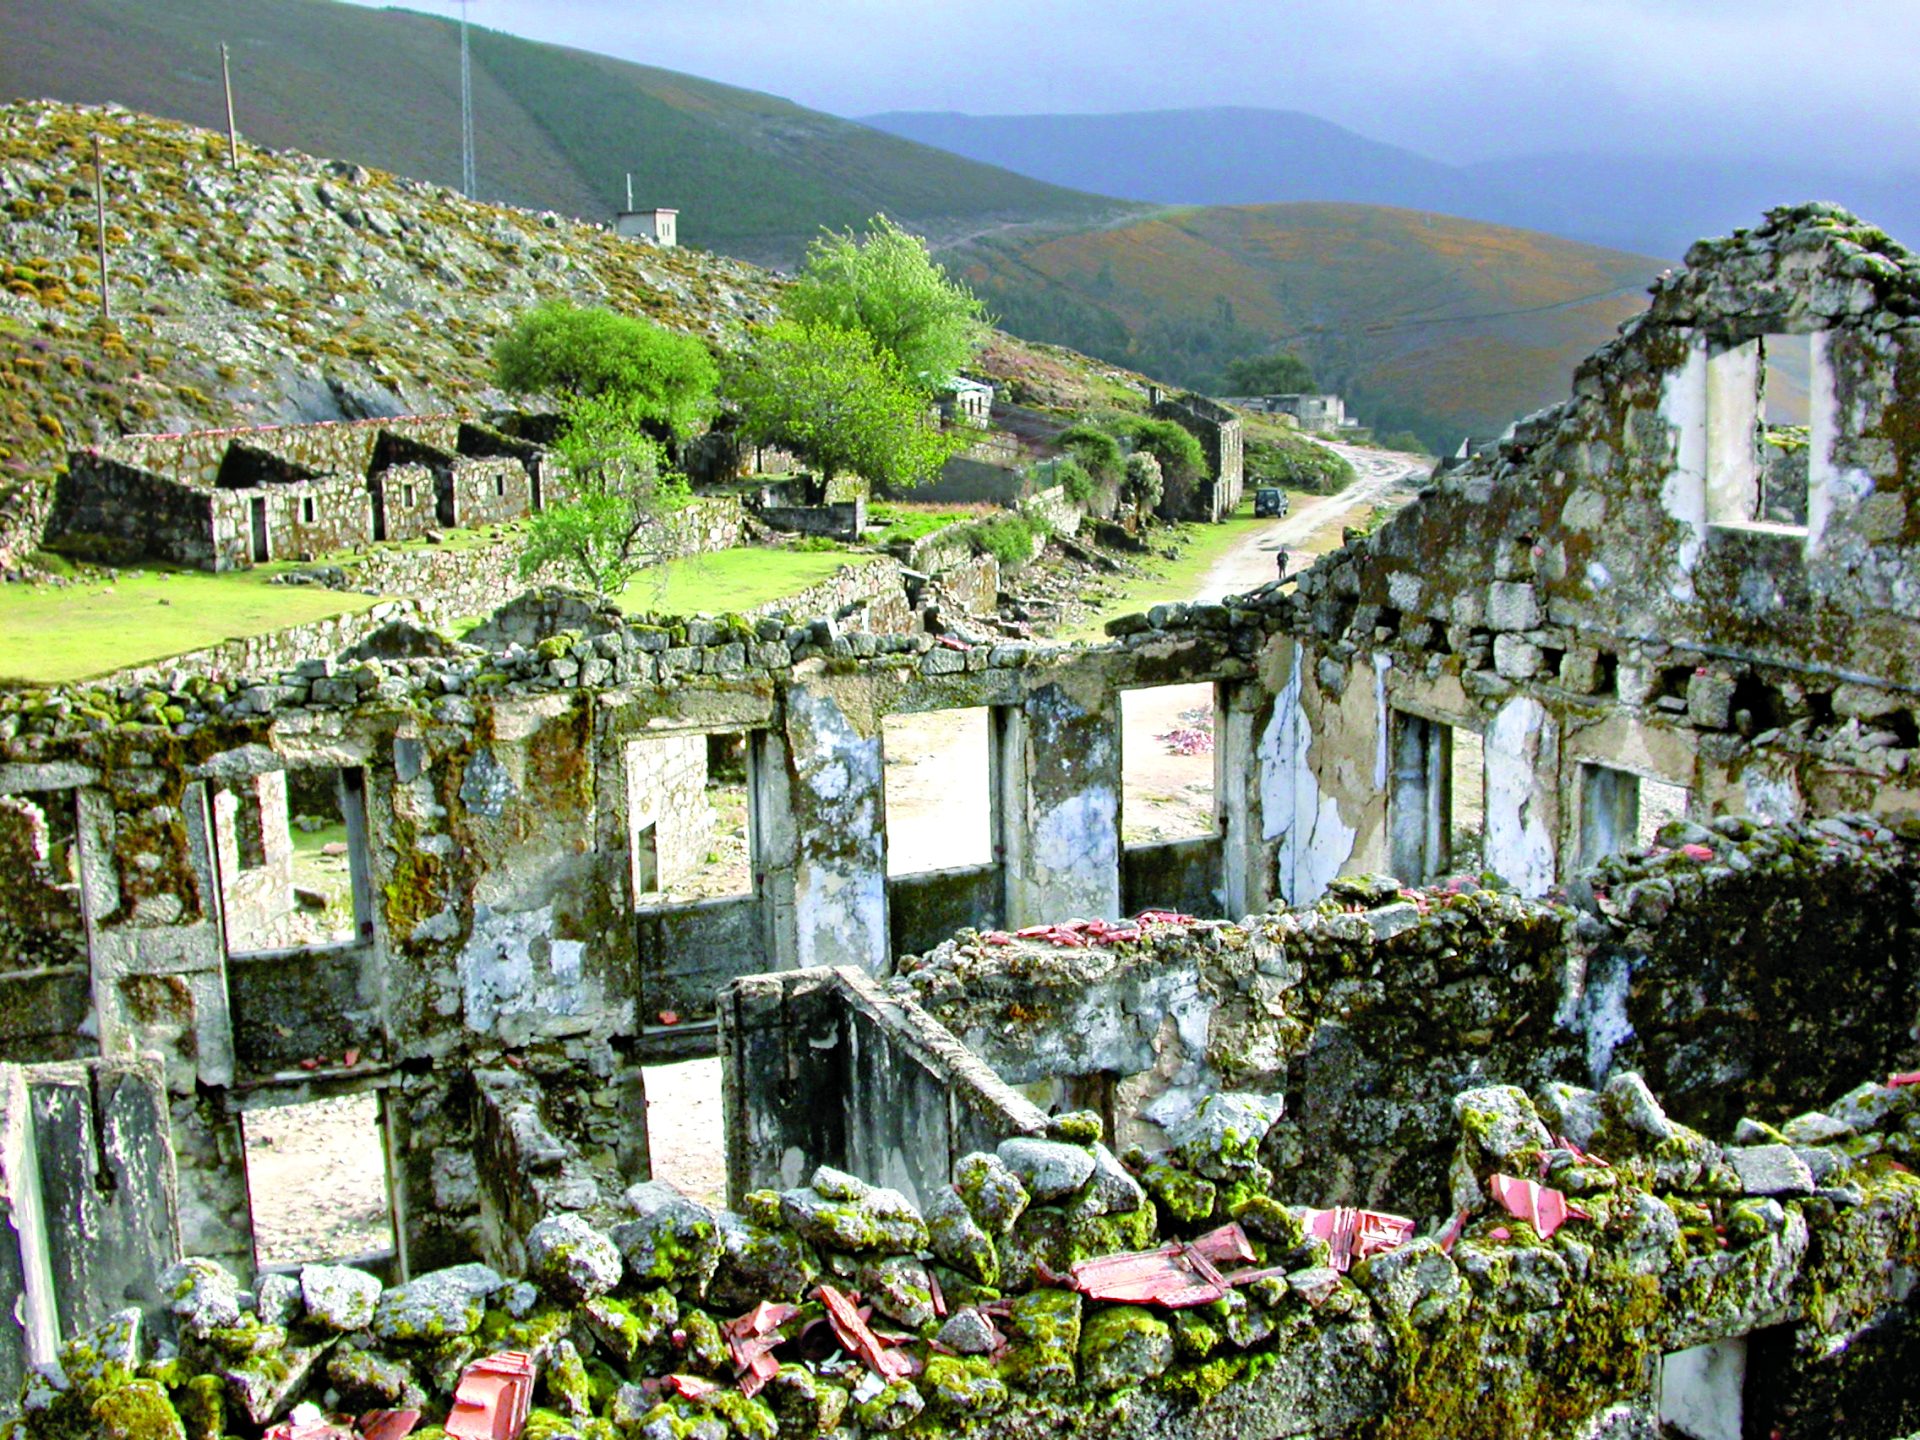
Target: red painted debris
(388,1424)
(1546,1210)
(690,1387)
(1562,1143)
(669,1017)
(1357,1234)
(856,1339)
(493,1397)
(1696,852)
(310,1426)
(1174,1277)
(1454,1232)
(950,643)
(351,1058)
(1078,934)
(752,1339)
(1187,740)
(1500,1232)
(939,1296)
(1905,1077)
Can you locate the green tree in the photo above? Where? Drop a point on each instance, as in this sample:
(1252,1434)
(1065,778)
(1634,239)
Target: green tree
(840,402)
(1278,374)
(887,286)
(1182,461)
(666,380)
(607,532)
(1098,452)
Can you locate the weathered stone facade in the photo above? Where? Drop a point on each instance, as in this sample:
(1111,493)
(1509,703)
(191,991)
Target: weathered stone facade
(1215,495)
(1667,1032)
(230,499)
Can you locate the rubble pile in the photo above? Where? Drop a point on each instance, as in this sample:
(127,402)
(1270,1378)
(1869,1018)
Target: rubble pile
(1592,1233)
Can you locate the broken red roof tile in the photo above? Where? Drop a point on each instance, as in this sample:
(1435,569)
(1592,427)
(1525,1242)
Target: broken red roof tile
(388,1424)
(1546,1210)
(1176,1276)
(691,1387)
(856,1339)
(493,1398)
(1905,1077)
(312,1426)
(1357,1234)
(1453,1232)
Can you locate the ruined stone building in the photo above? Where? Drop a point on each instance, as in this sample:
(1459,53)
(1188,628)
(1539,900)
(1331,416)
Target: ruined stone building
(230,499)
(1218,429)
(1602,1131)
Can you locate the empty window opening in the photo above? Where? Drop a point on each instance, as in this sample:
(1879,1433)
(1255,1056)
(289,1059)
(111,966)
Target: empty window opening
(317,1181)
(689,817)
(1621,811)
(1436,805)
(406,496)
(291,846)
(1758,433)
(306,510)
(939,784)
(41,861)
(1168,786)
(500,487)
(686,1128)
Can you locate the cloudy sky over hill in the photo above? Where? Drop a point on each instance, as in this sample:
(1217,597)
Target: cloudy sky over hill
(1458,79)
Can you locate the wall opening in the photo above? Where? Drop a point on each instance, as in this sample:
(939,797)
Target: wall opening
(317,1181)
(306,510)
(40,879)
(940,776)
(1621,811)
(1758,432)
(690,825)
(291,846)
(1169,788)
(1421,797)
(257,514)
(686,1127)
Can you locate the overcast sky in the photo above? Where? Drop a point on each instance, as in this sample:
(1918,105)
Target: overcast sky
(1830,82)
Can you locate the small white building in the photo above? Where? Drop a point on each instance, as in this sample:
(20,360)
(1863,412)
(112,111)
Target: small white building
(966,402)
(660,226)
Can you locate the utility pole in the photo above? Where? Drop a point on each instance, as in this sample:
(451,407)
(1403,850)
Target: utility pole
(468,180)
(100,225)
(233,133)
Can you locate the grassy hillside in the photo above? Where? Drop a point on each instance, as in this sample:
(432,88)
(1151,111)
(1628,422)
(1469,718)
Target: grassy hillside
(1426,322)
(557,129)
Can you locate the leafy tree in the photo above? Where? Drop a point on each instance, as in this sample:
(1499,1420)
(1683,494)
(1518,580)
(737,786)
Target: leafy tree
(838,400)
(1143,480)
(1098,452)
(665,379)
(887,286)
(1278,374)
(1182,461)
(600,538)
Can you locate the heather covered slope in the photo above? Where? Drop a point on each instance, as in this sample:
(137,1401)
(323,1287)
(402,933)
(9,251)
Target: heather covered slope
(299,289)
(558,129)
(1426,322)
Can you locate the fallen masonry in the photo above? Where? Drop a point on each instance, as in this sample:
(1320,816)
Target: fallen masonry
(1588,1141)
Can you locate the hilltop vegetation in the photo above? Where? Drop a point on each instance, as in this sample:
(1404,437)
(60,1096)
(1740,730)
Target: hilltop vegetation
(754,175)
(1425,322)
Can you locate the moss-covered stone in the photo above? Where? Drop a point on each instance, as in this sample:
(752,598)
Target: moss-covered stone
(1123,1345)
(1043,1328)
(138,1410)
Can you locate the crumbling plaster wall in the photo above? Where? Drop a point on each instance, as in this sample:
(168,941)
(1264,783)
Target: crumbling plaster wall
(1578,597)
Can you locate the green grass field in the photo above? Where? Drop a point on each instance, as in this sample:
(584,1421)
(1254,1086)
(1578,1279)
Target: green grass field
(731,581)
(52,635)
(1164,581)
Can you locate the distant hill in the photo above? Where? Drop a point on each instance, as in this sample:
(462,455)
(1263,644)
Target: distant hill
(558,129)
(1426,322)
(1250,156)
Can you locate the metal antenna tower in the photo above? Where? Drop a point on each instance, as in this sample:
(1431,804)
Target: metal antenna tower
(469,183)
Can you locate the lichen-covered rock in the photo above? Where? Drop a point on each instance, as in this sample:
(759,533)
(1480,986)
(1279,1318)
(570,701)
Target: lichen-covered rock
(1123,1345)
(1186,1196)
(1770,1170)
(1221,1139)
(266,1383)
(1630,1110)
(993,1194)
(1569,1111)
(1112,1190)
(565,1381)
(370,1381)
(897,1287)
(1505,1131)
(1416,1284)
(894,1408)
(1050,1169)
(202,1293)
(339,1297)
(671,1239)
(959,1388)
(1043,1327)
(804,1403)
(968,1332)
(437,1305)
(758,1263)
(138,1410)
(957,1239)
(626,1328)
(277,1299)
(570,1259)
(854,1217)
(704,1348)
